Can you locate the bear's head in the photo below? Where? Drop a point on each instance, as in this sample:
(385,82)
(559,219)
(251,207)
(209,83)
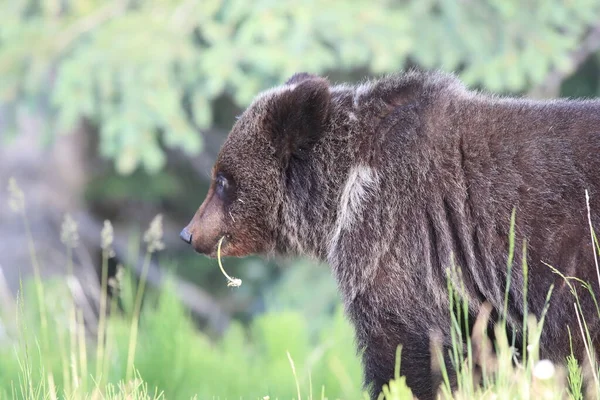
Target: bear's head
(246,193)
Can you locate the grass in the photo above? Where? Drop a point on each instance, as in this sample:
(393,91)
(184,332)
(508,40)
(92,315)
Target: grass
(172,358)
(152,349)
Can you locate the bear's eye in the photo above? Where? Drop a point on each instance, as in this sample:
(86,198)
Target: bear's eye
(221,184)
(225,187)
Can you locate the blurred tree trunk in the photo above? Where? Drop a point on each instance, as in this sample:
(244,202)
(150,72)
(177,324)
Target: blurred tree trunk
(550,87)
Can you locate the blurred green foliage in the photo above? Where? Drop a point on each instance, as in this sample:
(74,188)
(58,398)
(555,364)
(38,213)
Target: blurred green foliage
(172,356)
(152,75)
(148,73)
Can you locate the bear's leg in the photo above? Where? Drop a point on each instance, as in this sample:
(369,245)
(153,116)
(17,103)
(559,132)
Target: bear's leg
(415,365)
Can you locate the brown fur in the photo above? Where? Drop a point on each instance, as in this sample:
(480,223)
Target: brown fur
(387,180)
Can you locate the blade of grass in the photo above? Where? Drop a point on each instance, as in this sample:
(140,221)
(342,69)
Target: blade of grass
(295,376)
(589,215)
(525,285)
(511,254)
(585,343)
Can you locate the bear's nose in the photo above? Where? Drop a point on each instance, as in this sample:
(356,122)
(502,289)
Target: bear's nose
(186,236)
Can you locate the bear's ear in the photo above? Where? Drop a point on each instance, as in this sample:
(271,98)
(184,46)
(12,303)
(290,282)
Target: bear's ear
(298,116)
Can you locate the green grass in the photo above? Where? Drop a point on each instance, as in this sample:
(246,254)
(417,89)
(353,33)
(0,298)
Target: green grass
(152,350)
(171,357)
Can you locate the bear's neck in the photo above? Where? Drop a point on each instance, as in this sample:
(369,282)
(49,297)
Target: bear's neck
(314,187)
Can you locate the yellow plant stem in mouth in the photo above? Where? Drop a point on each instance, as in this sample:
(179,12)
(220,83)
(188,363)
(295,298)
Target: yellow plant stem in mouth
(231,281)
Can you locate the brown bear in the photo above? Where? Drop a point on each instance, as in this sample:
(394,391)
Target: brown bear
(390,181)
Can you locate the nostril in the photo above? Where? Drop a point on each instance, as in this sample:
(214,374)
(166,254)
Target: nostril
(186,236)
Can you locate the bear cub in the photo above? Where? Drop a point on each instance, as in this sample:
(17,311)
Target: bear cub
(392,182)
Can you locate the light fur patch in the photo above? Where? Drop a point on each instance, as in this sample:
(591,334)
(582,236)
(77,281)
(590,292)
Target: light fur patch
(361,184)
(340,88)
(360,91)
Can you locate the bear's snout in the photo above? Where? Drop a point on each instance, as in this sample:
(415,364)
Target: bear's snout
(207,226)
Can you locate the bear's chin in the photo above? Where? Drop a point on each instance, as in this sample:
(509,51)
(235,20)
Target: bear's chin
(228,249)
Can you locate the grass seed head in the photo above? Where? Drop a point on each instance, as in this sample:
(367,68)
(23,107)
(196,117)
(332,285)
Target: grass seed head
(16,198)
(107,237)
(69,234)
(154,235)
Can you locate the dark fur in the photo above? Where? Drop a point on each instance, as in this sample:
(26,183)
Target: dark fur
(441,169)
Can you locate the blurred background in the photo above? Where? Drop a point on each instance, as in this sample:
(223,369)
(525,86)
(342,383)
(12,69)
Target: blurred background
(115,110)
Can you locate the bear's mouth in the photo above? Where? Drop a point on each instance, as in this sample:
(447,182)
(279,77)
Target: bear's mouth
(219,249)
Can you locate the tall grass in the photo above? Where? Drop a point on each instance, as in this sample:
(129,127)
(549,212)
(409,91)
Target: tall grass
(152,349)
(172,358)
